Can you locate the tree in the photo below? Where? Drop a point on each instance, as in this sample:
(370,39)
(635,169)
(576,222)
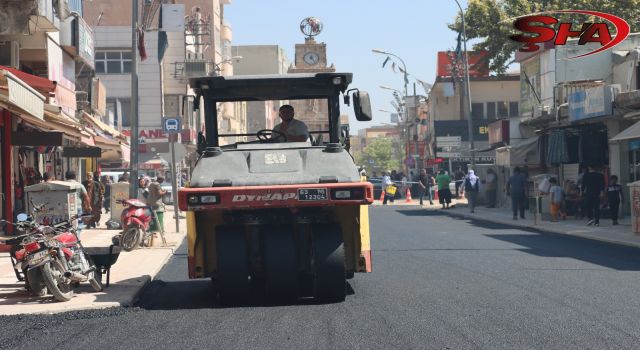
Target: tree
(385,152)
(491,21)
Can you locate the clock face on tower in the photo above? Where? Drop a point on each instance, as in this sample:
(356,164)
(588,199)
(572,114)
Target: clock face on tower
(311,58)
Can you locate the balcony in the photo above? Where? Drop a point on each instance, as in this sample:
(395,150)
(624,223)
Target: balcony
(46,17)
(77,39)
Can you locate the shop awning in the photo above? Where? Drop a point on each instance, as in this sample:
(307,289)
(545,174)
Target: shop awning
(526,152)
(100,125)
(36,82)
(17,95)
(632,132)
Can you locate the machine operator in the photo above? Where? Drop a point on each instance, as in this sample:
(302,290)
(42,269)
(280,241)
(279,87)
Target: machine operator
(294,129)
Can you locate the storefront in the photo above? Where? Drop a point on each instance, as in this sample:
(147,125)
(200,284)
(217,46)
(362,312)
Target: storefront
(20,104)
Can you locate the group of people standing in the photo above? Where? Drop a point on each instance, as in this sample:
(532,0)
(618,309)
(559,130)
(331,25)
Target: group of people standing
(95,195)
(587,197)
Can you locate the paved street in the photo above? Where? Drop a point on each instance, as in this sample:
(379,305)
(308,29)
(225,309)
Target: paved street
(439,282)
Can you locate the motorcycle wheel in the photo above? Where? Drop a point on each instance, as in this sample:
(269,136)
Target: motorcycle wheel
(130,239)
(60,287)
(36,282)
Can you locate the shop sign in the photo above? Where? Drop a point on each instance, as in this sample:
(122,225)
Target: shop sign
(478,65)
(36,138)
(460,128)
(98,97)
(85,44)
(25,98)
(499,132)
(82,152)
(590,103)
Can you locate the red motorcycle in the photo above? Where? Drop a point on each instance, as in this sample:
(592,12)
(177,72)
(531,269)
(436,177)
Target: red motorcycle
(136,219)
(52,259)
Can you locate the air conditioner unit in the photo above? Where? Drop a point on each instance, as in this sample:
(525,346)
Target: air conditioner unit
(196,68)
(10,54)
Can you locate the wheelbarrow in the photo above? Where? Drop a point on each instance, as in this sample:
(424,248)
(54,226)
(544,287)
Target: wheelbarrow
(104,258)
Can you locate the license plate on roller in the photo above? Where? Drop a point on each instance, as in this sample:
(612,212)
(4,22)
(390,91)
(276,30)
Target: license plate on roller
(312,194)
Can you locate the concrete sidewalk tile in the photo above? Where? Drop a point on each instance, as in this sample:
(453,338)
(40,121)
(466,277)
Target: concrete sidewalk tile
(131,272)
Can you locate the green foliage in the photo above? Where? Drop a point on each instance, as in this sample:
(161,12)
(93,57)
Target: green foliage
(385,152)
(491,21)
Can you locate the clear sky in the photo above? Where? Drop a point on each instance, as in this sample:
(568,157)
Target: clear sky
(414,30)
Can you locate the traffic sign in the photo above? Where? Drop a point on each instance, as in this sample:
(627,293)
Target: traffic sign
(448,139)
(172,125)
(449,154)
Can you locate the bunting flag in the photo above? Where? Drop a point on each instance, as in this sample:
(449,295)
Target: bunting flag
(459,45)
(141,49)
(385,61)
(163,44)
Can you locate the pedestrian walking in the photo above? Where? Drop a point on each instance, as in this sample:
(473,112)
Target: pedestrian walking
(388,187)
(106,181)
(444,193)
(425,183)
(96,195)
(471,189)
(592,188)
(614,197)
(491,188)
(555,193)
(516,189)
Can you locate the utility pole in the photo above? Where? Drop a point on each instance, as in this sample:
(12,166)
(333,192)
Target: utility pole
(133,166)
(468,89)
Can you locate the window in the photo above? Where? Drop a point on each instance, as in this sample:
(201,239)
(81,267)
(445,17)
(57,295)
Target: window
(513,109)
(502,109)
(113,62)
(491,110)
(477,110)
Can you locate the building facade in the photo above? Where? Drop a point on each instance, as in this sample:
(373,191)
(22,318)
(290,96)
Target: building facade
(182,40)
(51,102)
(492,98)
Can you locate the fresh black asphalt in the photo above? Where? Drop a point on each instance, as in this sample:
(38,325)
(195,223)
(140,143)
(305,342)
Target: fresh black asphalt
(438,283)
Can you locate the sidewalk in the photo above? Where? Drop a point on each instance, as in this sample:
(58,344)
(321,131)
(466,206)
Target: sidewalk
(132,271)
(621,234)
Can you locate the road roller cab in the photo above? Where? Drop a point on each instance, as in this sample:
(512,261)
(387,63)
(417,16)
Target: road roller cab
(289,219)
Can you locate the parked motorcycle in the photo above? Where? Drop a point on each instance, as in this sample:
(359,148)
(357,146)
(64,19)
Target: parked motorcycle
(24,264)
(53,256)
(136,221)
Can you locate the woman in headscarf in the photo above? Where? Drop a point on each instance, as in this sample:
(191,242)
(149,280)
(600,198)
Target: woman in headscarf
(471,189)
(143,191)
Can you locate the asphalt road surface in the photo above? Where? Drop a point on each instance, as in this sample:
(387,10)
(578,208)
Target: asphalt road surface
(439,282)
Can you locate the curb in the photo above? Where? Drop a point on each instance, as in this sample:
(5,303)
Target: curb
(152,275)
(545,229)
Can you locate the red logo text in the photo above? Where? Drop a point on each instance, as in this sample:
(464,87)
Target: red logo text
(598,32)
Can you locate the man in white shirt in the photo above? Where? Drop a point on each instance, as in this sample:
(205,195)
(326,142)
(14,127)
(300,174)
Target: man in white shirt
(293,129)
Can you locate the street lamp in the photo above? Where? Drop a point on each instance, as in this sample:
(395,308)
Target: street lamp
(228,60)
(466,76)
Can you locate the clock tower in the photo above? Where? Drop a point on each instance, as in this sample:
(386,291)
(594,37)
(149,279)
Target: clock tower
(311,57)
